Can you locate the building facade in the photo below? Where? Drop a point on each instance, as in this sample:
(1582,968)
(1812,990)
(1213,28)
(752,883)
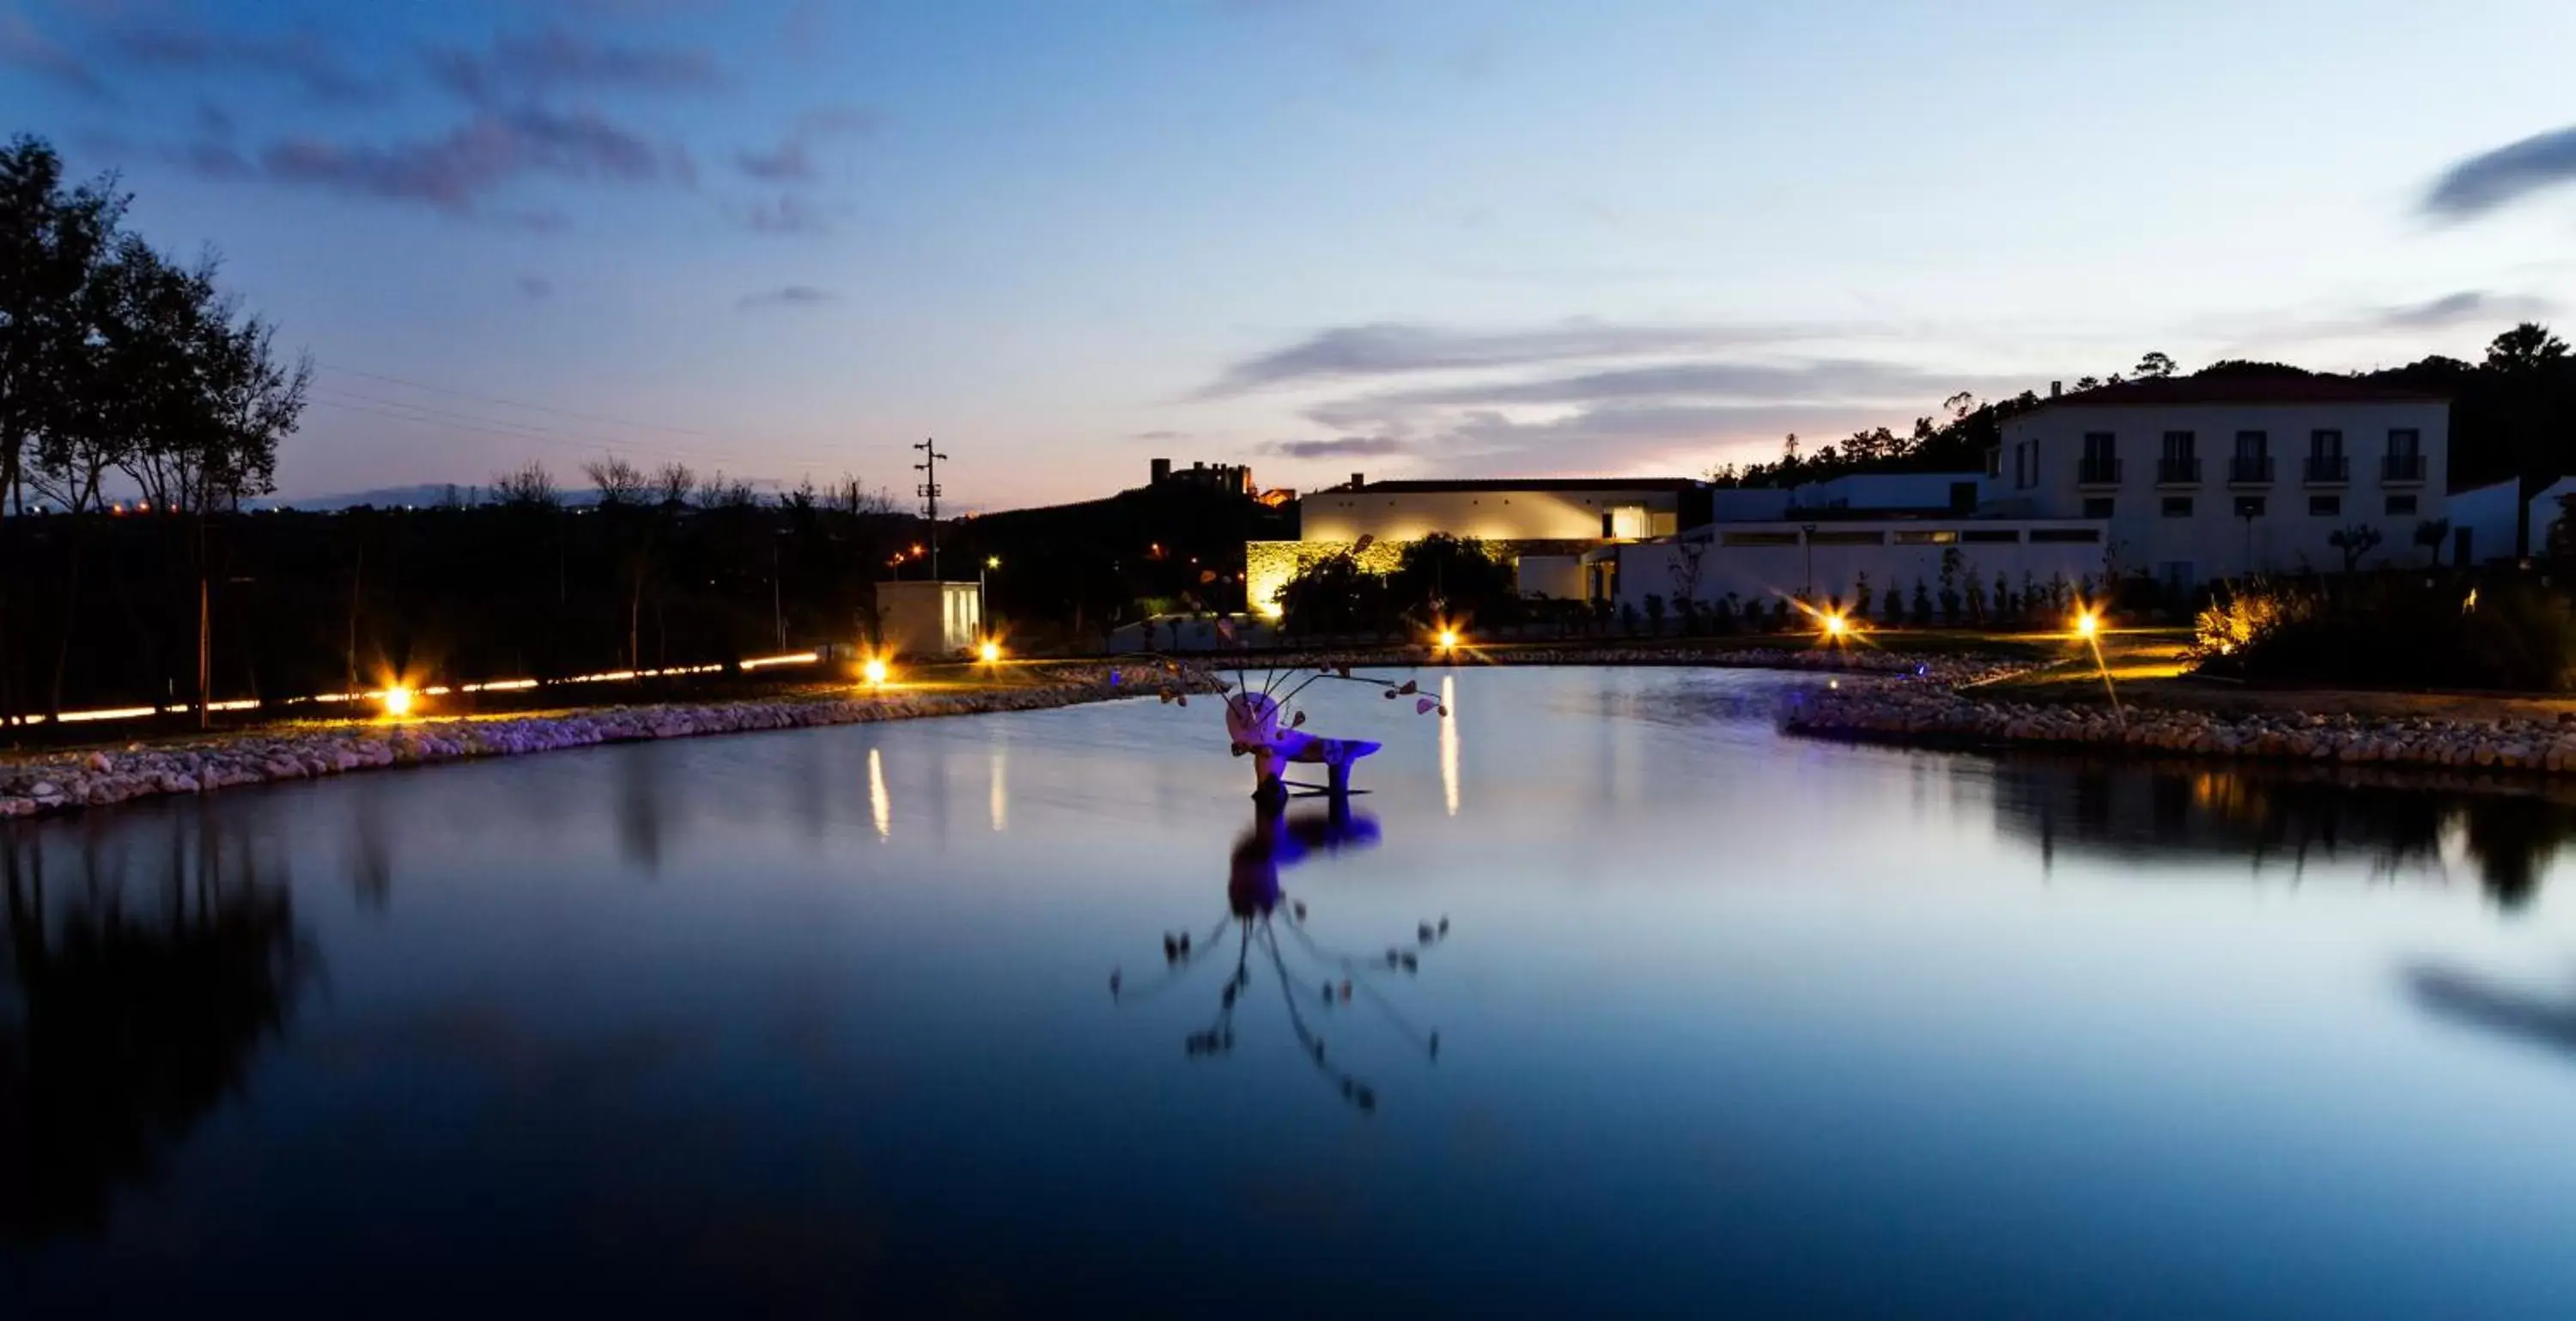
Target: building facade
(1543,527)
(2210,477)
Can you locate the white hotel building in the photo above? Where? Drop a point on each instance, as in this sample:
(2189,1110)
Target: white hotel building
(2197,478)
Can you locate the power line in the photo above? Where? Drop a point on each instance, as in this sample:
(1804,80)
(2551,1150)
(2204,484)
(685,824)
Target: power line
(513,403)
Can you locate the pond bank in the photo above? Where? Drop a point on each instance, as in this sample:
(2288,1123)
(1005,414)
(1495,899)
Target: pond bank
(96,777)
(1934,714)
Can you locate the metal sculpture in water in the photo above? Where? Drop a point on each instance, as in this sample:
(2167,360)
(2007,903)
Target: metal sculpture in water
(1254,902)
(1263,723)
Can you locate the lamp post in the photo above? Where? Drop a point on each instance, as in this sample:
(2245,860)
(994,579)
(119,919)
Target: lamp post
(984,619)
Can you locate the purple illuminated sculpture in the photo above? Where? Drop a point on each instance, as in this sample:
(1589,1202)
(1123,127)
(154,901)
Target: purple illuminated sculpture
(1261,724)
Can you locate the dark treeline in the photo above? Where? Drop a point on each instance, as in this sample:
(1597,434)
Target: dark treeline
(2513,414)
(302,603)
(117,365)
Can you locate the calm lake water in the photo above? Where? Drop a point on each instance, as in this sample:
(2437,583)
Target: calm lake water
(821,1022)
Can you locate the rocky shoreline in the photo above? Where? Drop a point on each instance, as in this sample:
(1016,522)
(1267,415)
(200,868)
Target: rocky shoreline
(1948,669)
(99,777)
(1926,713)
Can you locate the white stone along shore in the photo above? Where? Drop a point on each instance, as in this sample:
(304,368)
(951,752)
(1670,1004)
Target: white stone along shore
(1928,712)
(96,777)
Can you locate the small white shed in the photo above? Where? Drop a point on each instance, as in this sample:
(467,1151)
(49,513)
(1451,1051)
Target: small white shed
(929,619)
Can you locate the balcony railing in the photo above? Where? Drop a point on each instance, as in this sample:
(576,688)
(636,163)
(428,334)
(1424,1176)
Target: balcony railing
(2328,469)
(2178,472)
(2250,470)
(2097,470)
(2401,468)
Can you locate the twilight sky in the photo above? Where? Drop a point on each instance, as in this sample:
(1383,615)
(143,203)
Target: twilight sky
(1435,237)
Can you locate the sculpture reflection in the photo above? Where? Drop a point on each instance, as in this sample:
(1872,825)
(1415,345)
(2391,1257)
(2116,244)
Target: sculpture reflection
(138,995)
(1255,902)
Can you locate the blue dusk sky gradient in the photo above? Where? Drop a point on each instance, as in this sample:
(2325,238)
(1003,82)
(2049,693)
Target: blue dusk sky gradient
(1422,238)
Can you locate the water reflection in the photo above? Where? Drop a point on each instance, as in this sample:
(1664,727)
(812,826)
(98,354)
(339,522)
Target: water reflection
(1449,741)
(144,975)
(880,807)
(2509,832)
(1275,840)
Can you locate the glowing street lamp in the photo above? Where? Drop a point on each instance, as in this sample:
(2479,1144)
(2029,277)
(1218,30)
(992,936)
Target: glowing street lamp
(2087,624)
(1836,625)
(398,702)
(991,651)
(874,672)
(1448,639)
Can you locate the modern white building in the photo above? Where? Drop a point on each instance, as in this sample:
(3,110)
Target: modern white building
(2204,477)
(1542,526)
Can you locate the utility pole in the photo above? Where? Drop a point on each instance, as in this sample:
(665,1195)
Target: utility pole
(928,490)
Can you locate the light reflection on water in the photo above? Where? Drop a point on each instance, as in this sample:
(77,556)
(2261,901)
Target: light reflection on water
(813,1021)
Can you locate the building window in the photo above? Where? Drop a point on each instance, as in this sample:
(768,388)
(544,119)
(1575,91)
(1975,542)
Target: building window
(2401,506)
(1847,539)
(2097,506)
(2249,506)
(2177,506)
(1759,539)
(2325,444)
(2253,460)
(1991,536)
(2325,506)
(2070,534)
(2405,459)
(2101,465)
(2181,461)
(1926,538)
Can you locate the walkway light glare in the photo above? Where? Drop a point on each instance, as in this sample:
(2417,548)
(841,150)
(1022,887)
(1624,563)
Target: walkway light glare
(398,701)
(991,651)
(1448,639)
(2087,623)
(1836,625)
(874,672)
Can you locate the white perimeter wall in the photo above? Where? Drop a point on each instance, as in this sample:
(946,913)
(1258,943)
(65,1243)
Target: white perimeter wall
(1764,573)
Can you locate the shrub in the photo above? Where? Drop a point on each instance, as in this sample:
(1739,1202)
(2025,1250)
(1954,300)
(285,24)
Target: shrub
(2392,630)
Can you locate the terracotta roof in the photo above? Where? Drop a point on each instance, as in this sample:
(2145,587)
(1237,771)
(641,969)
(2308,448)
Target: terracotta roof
(1525,484)
(2175,391)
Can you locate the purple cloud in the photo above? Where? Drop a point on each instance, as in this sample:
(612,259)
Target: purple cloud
(793,159)
(23,47)
(301,58)
(456,171)
(552,59)
(1339,447)
(2493,179)
(1394,348)
(790,214)
(793,295)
